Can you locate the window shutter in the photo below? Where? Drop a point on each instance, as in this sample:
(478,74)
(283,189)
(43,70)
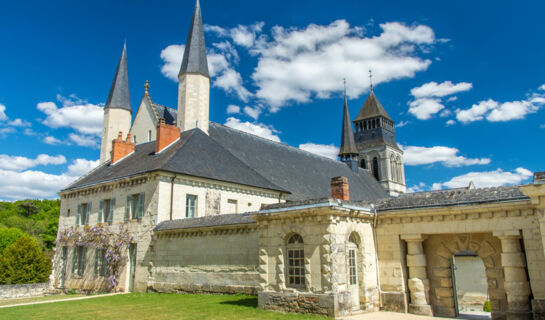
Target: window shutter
(83,260)
(100,211)
(78,215)
(97,261)
(88,213)
(128,209)
(74,254)
(111,213)
(140,210)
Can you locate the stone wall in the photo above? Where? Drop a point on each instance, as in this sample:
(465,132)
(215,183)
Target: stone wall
(323,304)
(23,290)
(217,260)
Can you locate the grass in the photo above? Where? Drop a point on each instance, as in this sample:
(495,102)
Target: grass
(6,302)
(151,306)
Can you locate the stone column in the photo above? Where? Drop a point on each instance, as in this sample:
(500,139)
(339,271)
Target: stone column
(418,276)
(516,283)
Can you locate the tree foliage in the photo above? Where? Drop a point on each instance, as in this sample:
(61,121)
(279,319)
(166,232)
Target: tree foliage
(9,236)
(24,262)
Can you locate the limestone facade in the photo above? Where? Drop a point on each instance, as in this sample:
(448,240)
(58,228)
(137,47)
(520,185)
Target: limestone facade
(115,120)
(193,101)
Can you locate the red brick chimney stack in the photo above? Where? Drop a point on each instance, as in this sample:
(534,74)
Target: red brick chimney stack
(120,148)
(166,135)
(339,188)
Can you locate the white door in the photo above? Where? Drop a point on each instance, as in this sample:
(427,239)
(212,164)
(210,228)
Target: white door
(353,275)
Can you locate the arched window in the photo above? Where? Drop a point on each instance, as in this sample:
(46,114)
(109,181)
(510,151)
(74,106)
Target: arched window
(375,168)
(363,164)
(295,261)
(393,168)
(399,170)
(352,259)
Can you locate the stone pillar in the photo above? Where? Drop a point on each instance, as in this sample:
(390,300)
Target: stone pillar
(517,287)
(418,276)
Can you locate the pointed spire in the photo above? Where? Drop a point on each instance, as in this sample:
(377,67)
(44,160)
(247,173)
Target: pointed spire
(372,108)
(348,147)
(119,96)
(194,60)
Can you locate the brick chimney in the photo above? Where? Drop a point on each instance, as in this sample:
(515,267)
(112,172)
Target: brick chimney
(166,135)
(120,148)
(339,188)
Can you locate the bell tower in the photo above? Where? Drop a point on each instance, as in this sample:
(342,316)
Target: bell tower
(376,143)
(194,79)
(117,111)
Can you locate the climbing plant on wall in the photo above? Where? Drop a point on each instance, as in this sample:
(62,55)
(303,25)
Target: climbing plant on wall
(100,236)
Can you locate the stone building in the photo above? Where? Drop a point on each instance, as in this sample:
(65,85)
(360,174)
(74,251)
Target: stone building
(213,209)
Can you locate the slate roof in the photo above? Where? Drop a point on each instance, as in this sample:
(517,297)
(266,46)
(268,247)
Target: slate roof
(235,156)
(210,221)
(451,197)
(304,174)
(372,108)
(347,136)
(170,115)
(194,60)
(119,96)
(194,154)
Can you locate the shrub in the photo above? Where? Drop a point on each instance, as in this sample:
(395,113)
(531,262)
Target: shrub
(486,306)
(9,236)
(24,262)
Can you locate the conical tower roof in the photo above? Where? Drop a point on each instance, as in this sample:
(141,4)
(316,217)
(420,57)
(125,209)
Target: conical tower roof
(347,137)
(119,96)
(372,108)
(194,60)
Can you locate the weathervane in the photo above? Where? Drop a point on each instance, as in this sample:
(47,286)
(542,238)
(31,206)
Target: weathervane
(371,79)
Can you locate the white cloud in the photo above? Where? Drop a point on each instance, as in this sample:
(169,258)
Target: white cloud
(81,166)
(450,123)
(3,115)
(542,87)
(52,140)
(232,109)
(434,89)
(511,111)
(258,129)
(19,123)
(451,99)
(417,188)
(445,113)
(172,60)
(16,163)
(30,184)
(299,63)
(476,112)
(324,150)
(542,126)
(231,81)
(85,118)
(252,112)
(424,109)
(414,156)
(485,179)
(402,124)
(84,140)
(241,35)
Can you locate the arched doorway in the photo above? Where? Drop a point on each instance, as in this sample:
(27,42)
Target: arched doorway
(353,278)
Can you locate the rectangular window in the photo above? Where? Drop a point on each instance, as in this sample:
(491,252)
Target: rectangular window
(68,213)
(232,206)
(296,267)
(149,135)
(78,260)
(352,266)
(101,264)
(106,210)
(134,206)
(190,206)
(84,211)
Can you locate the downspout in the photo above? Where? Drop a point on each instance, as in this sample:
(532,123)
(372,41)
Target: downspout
(171,195)
(376,257)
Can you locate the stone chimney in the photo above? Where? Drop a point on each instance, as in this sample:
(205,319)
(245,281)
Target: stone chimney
(339,188)
(539,177)
(120,148)
(166,135)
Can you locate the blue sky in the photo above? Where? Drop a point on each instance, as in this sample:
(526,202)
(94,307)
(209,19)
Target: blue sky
(461,80)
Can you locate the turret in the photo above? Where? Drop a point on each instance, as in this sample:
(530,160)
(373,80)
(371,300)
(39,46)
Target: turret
(194,79)
(117,111)
(348,152)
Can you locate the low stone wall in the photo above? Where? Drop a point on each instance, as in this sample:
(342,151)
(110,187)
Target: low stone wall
(23,290)
(332,305)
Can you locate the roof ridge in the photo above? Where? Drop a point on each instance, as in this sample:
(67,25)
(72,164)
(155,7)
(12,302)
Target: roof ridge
(276,142)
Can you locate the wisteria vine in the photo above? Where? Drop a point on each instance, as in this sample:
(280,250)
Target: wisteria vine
(101,236)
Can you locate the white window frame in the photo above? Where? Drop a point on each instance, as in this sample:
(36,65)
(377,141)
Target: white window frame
(188,207)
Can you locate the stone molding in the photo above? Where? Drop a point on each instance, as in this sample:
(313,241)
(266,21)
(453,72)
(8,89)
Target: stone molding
(107,186)
(206,231)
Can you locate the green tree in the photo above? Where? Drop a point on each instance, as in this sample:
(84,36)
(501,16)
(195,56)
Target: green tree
(24,262)
(9,236)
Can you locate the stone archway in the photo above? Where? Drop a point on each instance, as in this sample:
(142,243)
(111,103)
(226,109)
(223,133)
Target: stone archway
(440,249)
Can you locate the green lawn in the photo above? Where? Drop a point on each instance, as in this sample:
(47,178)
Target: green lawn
(36,299)
(151,306)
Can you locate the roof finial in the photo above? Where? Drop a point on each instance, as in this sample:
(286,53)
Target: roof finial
(146,87)
(370,79)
